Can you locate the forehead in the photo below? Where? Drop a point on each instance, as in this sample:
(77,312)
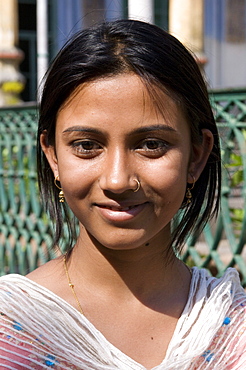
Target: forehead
(122,97)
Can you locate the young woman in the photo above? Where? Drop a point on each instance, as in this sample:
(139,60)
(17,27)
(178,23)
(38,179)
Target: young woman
(127,141)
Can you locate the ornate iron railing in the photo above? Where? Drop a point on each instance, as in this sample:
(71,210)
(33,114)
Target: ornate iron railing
(223,243)
(26,231)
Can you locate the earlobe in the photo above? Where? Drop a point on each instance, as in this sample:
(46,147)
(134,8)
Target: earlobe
(49,151)
(200,154)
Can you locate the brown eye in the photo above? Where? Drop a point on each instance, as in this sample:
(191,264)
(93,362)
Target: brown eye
(86,148)
(153,148)
(87,145)
(152,144)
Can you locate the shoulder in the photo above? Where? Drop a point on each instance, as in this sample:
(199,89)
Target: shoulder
(219,312)
(224,293)
(45,276)
(217,300)
(52,277)
(229,342)
(48,274)
(228,283)
(41,292)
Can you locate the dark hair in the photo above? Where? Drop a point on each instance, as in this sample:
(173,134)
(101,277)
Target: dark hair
(160,60)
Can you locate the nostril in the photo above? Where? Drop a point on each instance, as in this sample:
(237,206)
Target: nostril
(119,185)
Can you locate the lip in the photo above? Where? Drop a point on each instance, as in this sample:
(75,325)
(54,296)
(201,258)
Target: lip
(120,212)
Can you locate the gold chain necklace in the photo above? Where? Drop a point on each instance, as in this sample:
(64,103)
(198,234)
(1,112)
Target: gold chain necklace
(71,285)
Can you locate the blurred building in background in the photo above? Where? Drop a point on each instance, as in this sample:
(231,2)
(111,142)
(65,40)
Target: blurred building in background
(225,42)
(215,30)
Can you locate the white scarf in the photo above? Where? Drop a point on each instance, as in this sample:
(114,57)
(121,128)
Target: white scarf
(39,330)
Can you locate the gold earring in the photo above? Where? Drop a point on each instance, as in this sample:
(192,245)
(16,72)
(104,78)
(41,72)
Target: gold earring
(61,194)
(188,194)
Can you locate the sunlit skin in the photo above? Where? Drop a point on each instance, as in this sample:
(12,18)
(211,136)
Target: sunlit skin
(109,133)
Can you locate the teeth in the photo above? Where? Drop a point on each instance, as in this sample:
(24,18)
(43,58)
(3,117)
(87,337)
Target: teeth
(117,209)
(121,209)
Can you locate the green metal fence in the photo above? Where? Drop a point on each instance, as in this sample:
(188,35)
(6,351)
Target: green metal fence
(223,242)
(26,231)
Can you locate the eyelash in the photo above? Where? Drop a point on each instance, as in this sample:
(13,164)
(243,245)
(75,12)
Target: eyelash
(80,150)
(160,149)
(144,148)
(161,144)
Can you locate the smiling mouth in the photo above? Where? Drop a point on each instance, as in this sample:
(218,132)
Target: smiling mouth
(117,213)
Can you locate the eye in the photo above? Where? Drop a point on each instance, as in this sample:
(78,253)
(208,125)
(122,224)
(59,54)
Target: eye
(86,148)
(153,144)
(152,147)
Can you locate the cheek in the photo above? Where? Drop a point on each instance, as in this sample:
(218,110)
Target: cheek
(170,174)
(77,180)
(170,189)
(167,189)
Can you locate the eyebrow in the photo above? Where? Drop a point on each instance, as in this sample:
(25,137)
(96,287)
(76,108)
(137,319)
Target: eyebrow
(144,129)
(83,129)
(140,130)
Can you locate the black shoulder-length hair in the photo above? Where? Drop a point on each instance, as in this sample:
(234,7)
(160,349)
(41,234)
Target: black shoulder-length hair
(161,61)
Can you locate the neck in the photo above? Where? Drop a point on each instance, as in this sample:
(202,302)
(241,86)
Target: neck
(143,272)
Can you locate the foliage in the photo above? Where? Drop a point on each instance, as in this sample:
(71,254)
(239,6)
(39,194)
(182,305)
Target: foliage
(236,164)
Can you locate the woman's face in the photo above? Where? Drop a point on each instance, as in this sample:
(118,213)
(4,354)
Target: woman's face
(109,133)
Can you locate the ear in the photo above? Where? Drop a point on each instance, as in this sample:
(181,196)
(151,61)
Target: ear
(49,151)
(200,154)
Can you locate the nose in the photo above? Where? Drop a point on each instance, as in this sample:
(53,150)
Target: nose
(117,175)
